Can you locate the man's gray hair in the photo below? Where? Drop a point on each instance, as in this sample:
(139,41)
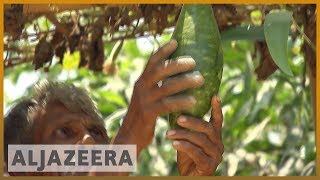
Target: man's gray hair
(73,98)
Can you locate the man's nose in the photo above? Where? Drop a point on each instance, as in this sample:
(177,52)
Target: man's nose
(87,139)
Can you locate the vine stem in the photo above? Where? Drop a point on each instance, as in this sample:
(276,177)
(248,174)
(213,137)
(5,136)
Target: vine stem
(313,47)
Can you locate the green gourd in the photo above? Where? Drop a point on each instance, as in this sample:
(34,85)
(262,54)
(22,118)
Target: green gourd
(198,36)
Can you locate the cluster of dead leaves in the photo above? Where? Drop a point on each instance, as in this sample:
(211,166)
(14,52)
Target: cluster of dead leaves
(137,20)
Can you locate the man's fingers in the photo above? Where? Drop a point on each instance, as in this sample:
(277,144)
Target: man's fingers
(197,125)
(216,115)
(173,104)
(196,138)
(202,161)
(176,84)
(201,126)
(169,68)
(162,53)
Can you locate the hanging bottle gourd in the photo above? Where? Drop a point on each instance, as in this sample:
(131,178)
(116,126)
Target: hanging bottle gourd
(198,36)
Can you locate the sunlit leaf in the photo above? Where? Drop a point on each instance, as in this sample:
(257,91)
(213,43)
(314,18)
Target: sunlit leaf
(256,17)
(112,97)
(44,24)
(276,30)
(71,61)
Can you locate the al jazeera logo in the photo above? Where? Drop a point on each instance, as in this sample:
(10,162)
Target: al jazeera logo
(71,158)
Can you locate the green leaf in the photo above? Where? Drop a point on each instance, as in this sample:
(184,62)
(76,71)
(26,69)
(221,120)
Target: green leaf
(112,97)
(276,31)
(131,49)
(71,61)
(251,33)
(44,24)
(256,17)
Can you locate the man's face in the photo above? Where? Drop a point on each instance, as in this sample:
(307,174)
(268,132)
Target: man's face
(57,125)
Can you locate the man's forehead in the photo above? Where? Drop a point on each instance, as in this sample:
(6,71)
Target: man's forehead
(57,112)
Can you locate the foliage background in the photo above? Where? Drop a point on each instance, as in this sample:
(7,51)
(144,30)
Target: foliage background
(268,126)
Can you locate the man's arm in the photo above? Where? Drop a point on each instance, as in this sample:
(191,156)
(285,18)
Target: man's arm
(149,100)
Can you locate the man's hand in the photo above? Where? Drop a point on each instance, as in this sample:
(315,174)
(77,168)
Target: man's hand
(199,150)
(149,99)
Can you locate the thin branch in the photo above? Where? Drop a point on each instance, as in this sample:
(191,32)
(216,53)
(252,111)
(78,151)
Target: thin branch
(303,81)
(309,42)
(39,33)
(58,25)
(9,63)
(130,36)
(135,27)
(18,50)
(53,8)
(7,55)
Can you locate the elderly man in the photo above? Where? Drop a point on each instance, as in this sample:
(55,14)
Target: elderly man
(63,114)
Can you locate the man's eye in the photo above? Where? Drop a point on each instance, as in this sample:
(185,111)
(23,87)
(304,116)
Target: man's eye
(64,132)
(96,132)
